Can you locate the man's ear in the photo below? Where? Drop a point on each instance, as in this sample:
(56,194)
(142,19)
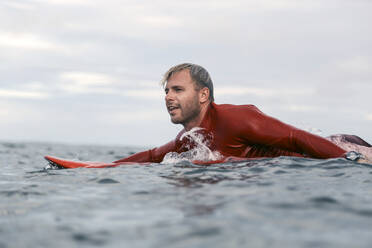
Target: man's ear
(204,95)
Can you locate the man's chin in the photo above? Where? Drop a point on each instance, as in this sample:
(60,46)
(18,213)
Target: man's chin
(175,121)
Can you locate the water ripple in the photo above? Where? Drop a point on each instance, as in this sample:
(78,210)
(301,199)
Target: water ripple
(282,202)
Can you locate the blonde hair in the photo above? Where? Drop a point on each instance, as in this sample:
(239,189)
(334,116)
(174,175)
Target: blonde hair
(198,74)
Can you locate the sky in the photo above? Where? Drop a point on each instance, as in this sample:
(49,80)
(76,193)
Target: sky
(88,71)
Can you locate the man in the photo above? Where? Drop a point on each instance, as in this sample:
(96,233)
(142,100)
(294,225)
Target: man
(234,131)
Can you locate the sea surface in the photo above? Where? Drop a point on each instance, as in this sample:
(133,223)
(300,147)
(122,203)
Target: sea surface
(279,202)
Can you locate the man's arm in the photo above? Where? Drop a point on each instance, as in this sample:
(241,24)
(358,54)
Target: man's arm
(155,155)
(268,131)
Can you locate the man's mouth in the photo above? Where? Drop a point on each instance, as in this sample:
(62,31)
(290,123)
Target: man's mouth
(172,108)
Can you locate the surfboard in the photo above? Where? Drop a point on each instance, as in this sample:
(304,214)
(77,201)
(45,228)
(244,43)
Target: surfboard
(70,164)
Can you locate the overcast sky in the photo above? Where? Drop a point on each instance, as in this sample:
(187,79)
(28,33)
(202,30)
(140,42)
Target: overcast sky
(88,71)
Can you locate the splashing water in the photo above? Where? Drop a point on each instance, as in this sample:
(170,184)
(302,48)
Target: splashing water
(199,152)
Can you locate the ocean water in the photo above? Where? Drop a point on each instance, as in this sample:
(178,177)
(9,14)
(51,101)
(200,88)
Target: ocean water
(279,202)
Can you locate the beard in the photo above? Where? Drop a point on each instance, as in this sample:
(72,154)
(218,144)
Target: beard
(188,112)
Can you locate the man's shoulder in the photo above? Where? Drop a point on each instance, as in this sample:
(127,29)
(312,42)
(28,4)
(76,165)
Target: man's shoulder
(232,108)
(238,118)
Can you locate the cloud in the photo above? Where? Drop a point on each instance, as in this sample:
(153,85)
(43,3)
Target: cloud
(124,117)
(163,22)
(149,94)
(356,65)
(276,4)
(368,117)
(303,108)
(87,78)
(86,82)
(23,94)
(25,41)
(65,2)
(261,92)
(17,5)
(101,83)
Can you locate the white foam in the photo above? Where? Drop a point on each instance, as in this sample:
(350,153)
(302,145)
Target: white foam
(199,152)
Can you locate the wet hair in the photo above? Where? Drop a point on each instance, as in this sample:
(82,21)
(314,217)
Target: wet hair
(198,74)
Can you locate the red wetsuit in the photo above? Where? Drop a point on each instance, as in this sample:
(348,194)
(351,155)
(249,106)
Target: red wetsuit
(244,131)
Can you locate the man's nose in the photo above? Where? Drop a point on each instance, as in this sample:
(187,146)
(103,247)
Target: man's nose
(169,96)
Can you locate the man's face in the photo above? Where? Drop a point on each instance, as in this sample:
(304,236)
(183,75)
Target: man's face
(182,98)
